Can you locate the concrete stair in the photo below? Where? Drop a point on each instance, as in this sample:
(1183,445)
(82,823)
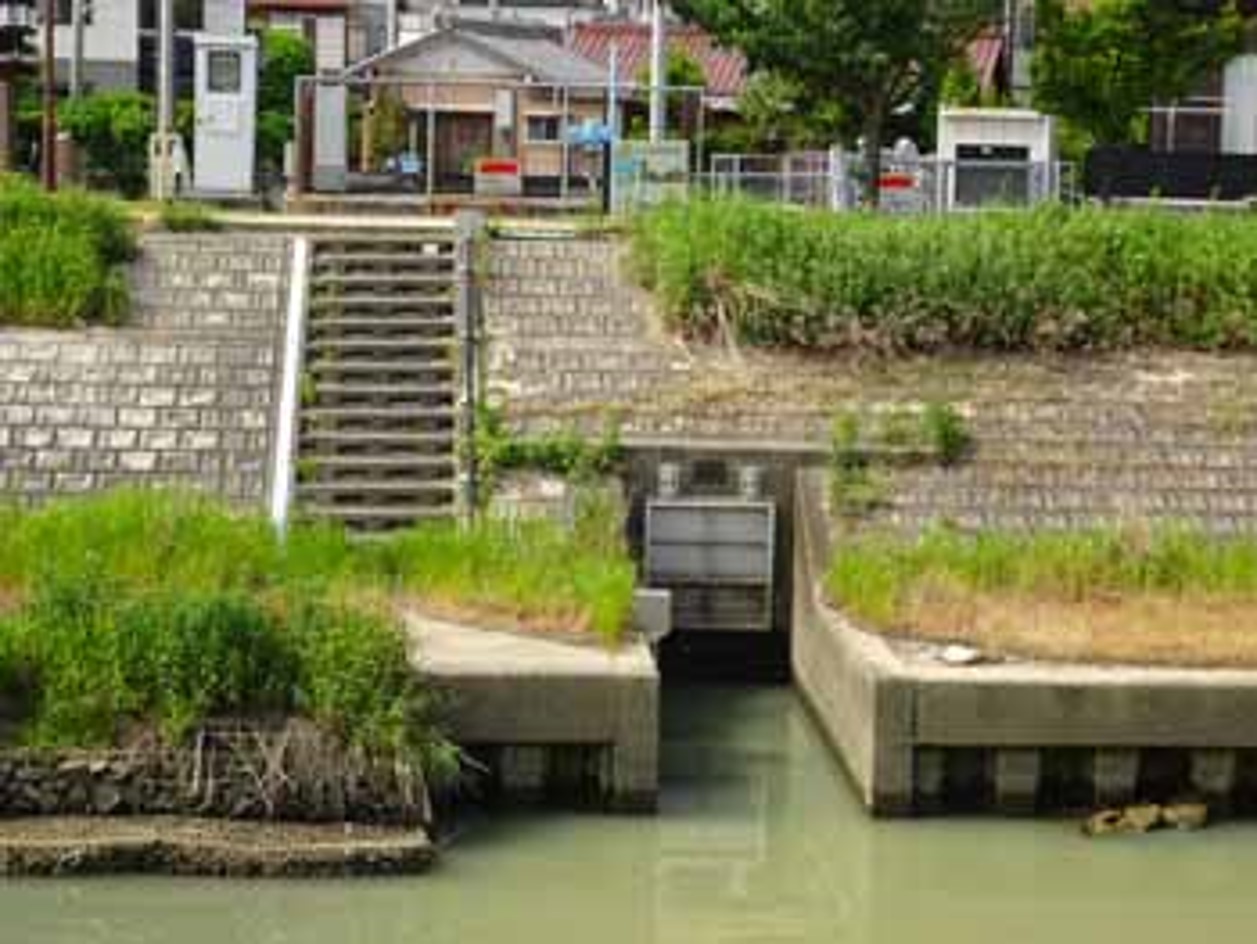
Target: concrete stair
(379,419)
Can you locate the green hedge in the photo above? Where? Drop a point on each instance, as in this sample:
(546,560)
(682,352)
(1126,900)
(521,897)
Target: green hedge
(1051,279)
(61,257)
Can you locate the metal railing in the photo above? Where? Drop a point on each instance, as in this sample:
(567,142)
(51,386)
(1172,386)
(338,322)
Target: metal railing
(836,181)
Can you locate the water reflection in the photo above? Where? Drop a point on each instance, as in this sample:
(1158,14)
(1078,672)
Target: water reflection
(759,840)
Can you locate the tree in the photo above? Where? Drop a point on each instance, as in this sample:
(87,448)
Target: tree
(113,129)
(870,57)
(285,56)
(1101,67)
(778,114)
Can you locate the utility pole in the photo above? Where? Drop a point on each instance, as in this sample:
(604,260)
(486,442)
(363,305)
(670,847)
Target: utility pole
(658,74)
(48,146)
(160,151)
(78,15)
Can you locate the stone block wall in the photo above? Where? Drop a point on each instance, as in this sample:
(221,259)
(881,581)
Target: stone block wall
(184,396)
(236,770)
(571,339)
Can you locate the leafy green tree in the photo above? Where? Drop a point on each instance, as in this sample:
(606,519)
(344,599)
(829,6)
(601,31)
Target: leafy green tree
(778,114)
(113,129)
(1101,66)
(285,56)
(870,57)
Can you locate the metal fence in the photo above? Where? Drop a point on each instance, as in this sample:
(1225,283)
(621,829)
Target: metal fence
(837,181)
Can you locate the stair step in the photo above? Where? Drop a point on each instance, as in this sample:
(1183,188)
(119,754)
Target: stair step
(377,463)
(382,394)
(352,488)
(375,256)
(376,241)
(380,368)
(411,302)
(396,413)
(382,279)
(438,345)
(378,439)
(376,323)
(398,515)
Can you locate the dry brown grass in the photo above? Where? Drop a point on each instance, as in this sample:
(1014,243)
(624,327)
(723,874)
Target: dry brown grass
(1147,629)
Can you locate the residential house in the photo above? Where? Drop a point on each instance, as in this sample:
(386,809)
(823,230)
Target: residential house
(340,32)
(417,17)
(724,70)
(474,90)
(120,40)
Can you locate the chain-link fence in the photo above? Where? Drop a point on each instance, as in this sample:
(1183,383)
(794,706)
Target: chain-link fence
(837,180)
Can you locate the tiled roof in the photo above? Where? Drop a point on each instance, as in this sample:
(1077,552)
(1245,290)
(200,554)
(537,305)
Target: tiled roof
(725,69)
(537,57)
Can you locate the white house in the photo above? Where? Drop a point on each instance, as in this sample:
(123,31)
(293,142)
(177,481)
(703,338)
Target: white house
(120,38)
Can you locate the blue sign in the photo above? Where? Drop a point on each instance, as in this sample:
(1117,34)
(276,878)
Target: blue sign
(589,134)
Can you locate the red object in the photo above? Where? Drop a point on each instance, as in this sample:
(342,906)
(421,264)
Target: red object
(725,69)
(897,182)
(506,166)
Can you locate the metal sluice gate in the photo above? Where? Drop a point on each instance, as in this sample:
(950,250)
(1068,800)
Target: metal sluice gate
(714,553)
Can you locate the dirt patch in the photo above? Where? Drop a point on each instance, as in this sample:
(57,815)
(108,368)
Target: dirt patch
(52,846)
(1188,632)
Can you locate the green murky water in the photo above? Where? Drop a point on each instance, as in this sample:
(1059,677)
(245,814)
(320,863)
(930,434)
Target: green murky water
(759,840)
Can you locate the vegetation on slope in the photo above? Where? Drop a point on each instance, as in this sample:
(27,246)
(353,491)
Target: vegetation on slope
(161,609)
(1140,595)
(60,257)
(1050,279)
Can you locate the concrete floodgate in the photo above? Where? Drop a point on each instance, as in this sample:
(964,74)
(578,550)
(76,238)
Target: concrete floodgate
(919,736)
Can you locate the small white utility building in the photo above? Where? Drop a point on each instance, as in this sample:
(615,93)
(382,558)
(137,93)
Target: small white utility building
(996,155)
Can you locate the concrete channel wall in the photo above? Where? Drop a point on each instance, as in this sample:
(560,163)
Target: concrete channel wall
(569,722)
(917,736)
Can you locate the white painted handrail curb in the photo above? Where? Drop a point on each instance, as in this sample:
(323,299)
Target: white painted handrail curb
(286,437)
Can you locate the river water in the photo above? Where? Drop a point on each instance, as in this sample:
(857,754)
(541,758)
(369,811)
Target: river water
(759,840)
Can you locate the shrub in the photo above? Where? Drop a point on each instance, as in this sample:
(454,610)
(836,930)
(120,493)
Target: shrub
(944,429)
(113,129)
(1048,279)
(59,257)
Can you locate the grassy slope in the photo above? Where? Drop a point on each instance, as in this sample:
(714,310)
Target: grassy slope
(1166,596)
(1052,279)
(169,609)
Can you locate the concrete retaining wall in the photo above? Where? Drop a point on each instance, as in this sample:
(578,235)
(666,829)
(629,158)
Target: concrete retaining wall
(238,771)
(918,736)
(184,396)
(551,719)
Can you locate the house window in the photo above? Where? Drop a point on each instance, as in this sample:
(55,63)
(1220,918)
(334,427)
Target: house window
(65,12)
(189,14)
(543,129)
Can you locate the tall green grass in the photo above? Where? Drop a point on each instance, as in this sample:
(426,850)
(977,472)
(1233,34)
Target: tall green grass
(60,257)
(167,609)
(1049,279)
(875,576)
